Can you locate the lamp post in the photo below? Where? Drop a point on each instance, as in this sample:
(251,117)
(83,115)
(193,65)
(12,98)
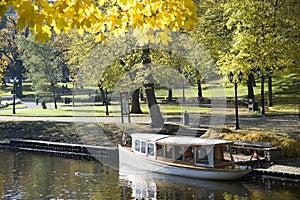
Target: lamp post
(104,94)
(14,82)
(259,74)
(270,99)
(183,92)
(240,77)
(106,103)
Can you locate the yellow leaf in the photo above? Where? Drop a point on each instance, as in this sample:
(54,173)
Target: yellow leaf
(46,29)
(80,31)
(101,2)
(99,38)
(164,37)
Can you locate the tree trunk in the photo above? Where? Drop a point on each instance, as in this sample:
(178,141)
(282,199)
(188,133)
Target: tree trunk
(200,96)
(73,94)
(54,98)
(135,102)
(170,95)
(157,121)
(253,81)
(270,93)
(142,95)
(250,87)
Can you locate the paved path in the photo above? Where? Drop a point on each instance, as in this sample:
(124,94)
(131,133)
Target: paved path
(75,119)
(289,123)
(286,123)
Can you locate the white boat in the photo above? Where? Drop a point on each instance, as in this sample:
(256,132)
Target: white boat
(181,155)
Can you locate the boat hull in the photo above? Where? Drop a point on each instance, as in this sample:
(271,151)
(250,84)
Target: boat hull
(139,162)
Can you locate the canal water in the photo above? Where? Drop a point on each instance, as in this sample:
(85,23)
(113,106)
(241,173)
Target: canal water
(35,176)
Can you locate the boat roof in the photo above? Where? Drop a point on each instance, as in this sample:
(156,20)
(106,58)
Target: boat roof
(178,139)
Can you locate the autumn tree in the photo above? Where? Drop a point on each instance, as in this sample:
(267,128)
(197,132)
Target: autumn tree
(154,19)
(265,38)
(245,36)
(3,65)
(9,51)
(41,63)
(102,16)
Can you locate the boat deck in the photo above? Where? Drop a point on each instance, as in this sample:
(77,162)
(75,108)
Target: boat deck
(281,171)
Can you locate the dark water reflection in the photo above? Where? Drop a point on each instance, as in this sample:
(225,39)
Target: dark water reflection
(33,176)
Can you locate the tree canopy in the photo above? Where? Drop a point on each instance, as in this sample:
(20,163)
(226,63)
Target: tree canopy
(41,64)
(246,35)
(103,17)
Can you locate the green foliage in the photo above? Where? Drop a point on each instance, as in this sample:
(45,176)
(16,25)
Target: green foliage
(41,63)
(9,53)
(3,65)
(74,50)
(245,35)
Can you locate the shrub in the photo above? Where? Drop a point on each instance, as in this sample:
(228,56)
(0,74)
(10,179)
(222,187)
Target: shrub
(289,147)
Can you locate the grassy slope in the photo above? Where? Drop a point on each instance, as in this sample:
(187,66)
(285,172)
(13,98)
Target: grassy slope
(68,132)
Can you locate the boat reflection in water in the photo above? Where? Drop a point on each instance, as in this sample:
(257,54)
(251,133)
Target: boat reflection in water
(150,185)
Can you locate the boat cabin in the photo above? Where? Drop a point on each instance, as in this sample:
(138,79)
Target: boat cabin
(182,149)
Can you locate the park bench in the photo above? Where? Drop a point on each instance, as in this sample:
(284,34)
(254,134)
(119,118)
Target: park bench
(252,106)
(174,100)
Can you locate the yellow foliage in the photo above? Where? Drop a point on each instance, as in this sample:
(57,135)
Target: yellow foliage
(86,15)
(233,136)
(3,65)
(290,147)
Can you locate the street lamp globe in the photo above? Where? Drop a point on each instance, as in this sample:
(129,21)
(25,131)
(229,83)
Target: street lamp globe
(258,72)
(240,76)
(14,80)
(230,76)
(268,71)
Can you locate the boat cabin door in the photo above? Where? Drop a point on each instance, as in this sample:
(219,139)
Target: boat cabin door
(151,151)
(204,155)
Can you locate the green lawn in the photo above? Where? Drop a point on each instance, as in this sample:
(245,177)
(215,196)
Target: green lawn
(285,98)
(89,110)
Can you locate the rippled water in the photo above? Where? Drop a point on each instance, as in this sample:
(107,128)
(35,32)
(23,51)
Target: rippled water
(34,176)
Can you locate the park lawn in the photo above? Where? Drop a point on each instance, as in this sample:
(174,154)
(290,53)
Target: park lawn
(34,112)
(285,98)
(89,110)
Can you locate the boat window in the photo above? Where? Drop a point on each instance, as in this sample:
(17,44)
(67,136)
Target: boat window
(201,156)
(151,149)
(143,147)
(205,156)
(178,153)
(169,151)
(160,150)
(188,154)
(137,145)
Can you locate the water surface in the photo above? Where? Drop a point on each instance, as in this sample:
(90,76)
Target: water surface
(35,176)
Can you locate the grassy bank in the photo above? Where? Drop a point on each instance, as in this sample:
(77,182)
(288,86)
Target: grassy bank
(69,132)
(106,134)
(66,132)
